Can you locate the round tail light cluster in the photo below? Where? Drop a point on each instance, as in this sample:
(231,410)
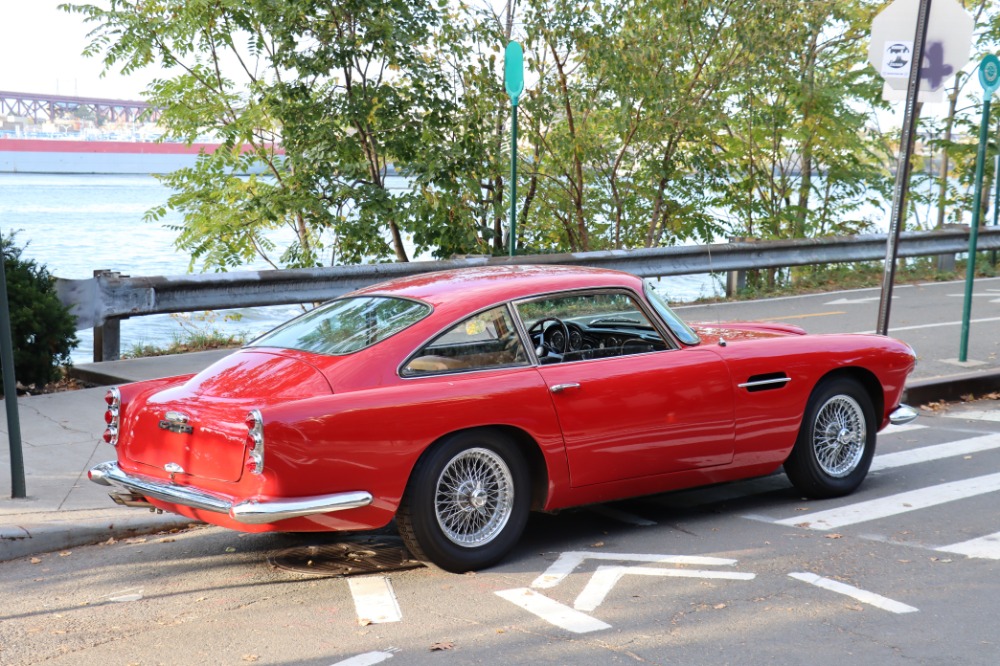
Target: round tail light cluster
(255,442)
(112,416)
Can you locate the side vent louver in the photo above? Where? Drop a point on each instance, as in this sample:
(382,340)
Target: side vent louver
(766,382)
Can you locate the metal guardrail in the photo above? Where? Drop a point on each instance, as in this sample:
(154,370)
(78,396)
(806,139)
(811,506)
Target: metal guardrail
(103,301)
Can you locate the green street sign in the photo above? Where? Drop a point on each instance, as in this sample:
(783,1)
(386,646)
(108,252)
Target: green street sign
(989,73)
(513,71)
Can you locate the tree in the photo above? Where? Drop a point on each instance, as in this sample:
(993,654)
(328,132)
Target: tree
(321,96)
(43,331)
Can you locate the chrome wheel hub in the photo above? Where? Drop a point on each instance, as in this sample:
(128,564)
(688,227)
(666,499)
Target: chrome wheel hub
(474,497)
(840,436)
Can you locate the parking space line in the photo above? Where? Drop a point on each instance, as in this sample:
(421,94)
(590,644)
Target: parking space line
(975,415)
(366,659)
(864,596)
(374,600)
(861,512)
(606,577)
(897,429)
(987,547)
(552,611)
(961,447)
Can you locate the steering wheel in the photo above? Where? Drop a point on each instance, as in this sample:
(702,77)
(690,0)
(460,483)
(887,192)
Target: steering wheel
(553,339)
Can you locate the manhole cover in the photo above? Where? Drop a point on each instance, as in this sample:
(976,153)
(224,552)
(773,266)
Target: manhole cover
(350,557)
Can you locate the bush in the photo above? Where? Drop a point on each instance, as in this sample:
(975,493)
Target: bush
(42,328)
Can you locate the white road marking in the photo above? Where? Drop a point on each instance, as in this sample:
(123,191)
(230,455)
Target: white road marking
(366,659)
(961,447)
(622,516)
(975,415)
(892,505)
(552,611)
(937,325)
(845,301)
(987,547)
(895,429)
(375,600)
(863,596)
(570,560)
(606,577)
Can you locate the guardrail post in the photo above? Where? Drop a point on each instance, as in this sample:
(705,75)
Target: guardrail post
(108,336)
(108,340)
(736,280)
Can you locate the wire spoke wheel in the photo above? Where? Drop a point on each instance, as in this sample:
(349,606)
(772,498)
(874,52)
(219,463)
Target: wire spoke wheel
(839,436)
(474,497)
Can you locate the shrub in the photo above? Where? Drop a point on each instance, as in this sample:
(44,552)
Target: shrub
(42,328)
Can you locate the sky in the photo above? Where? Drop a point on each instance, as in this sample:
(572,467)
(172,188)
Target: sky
(41,52)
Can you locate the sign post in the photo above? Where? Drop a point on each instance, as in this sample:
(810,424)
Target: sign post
(989,78)
(18,490)
(916,47)
(513,71)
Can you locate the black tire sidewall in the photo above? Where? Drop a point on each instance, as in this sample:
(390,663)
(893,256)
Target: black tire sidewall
(420,518)
(804,469)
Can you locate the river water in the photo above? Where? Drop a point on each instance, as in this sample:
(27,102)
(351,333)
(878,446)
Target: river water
(76,224)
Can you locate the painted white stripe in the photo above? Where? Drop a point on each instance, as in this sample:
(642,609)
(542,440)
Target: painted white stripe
(895,429)
(987,547)
(938,325)
(570,560)
(892,505)
(606,577)
(375,600)
(962,447)
(622,516)
(366,659)
(975,415)
(552,611)
(863,596)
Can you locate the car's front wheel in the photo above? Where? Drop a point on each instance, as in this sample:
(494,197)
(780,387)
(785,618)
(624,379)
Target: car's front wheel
(836,440)
(467,501)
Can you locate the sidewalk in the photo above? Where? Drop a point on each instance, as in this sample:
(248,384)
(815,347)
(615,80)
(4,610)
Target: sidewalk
(61,440)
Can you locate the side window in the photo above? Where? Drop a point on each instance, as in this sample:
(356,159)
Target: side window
(486,340)
(576,327)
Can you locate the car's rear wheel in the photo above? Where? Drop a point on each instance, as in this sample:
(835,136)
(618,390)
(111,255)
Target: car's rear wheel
(836,441)
(467,501)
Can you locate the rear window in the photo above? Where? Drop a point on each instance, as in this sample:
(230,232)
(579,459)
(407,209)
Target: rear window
(346,325)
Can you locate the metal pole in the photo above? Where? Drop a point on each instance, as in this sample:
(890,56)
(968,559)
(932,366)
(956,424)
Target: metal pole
(513,179)
(996,202)
(18,490)
(910,114)
(970,268)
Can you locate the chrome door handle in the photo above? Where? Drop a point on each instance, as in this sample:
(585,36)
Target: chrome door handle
(559,388)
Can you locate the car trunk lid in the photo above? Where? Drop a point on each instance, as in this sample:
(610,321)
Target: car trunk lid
(198,430)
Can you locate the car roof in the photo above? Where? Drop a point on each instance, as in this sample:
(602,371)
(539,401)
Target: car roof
(481,286)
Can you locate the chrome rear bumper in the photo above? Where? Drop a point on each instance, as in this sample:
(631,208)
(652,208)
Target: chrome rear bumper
(902,415)
(250,512)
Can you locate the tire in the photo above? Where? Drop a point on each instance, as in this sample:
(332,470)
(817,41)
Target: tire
(467,501)
(836,441)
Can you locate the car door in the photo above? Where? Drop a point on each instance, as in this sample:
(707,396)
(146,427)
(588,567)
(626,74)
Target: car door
(628,412)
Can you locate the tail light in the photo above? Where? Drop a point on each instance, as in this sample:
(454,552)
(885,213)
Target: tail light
(112,417)
(255,442)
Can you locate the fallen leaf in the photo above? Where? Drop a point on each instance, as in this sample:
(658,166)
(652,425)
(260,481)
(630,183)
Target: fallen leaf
(599,544)
(35,560)
(66,553)
(834,536)
(251,657)
(230,549)
(444,645)
(719,606)
(802,508)
(803,524)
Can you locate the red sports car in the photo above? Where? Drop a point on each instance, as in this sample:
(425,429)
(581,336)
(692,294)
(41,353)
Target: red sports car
(457,402)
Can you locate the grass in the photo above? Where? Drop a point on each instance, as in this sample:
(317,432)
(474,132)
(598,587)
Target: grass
(188,342)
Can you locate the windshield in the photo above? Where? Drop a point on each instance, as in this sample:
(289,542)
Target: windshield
(679,328)
(345,325)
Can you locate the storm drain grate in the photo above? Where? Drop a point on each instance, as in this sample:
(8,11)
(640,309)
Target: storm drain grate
(351,557)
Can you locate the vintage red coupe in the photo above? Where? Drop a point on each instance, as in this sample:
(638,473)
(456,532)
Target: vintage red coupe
(456,402)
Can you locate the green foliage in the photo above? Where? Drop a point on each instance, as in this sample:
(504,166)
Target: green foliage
(644,123)
(42,329)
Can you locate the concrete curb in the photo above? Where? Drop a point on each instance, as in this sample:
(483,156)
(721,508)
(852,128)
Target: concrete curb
(950,388)
(33,538)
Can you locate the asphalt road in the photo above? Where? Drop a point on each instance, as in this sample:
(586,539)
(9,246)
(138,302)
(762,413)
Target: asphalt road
(926,316)
(905,571)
